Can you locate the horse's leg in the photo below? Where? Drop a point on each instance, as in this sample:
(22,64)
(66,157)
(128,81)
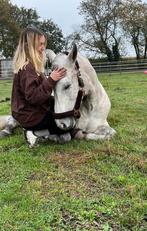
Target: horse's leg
(63,138)
(104,132)
(79,134)
(9,126)
(55,137)
(35,137)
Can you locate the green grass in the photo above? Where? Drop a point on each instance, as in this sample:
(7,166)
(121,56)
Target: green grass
(80,185)
(5,94)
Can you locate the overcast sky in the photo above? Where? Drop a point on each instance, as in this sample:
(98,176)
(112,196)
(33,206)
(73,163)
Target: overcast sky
(63,12)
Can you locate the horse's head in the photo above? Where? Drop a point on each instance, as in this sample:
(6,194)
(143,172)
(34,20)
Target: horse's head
(66,89)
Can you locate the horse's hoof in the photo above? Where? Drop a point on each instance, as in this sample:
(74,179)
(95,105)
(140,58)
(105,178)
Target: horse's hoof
(80,135)
(54,138)
(5,133)
(64,138)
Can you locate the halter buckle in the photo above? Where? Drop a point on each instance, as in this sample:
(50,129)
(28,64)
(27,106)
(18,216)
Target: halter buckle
(76,113)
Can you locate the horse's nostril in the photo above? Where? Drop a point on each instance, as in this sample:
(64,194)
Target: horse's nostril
(64,125)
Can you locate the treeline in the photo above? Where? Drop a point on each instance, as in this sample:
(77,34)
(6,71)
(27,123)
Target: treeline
(109,24)
(13,19)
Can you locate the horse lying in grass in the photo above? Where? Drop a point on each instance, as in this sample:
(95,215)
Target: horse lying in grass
(80,100)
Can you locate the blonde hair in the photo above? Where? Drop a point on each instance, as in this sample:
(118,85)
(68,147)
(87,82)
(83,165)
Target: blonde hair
(27,50)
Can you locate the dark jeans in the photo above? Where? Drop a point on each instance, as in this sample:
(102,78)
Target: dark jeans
(48,122)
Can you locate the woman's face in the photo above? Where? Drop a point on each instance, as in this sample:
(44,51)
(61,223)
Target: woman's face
(42,44)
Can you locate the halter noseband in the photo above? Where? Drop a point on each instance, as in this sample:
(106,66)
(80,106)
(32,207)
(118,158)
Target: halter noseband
(75,112)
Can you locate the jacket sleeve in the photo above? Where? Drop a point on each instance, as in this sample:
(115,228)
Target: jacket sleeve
(34,92)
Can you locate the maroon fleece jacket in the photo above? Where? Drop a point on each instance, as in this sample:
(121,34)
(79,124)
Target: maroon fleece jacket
(30,96)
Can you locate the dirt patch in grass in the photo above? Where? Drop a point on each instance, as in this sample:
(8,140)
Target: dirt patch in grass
(69,160)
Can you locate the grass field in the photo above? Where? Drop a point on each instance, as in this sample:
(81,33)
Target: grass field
(80,185)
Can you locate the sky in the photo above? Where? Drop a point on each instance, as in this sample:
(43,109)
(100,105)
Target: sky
(62,12)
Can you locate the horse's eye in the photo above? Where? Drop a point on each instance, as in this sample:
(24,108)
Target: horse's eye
(67,86)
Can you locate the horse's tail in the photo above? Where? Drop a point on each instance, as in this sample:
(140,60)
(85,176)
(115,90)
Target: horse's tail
(7,125)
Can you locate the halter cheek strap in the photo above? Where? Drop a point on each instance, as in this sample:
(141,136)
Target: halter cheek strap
(76,110)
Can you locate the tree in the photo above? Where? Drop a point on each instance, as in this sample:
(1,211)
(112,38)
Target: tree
(14,19)
(144,30)
(8,28)
(133,20)
(100,31)
(25,17)
(55,39)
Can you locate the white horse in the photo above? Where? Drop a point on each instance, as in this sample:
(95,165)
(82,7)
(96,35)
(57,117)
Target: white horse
(89,116)
(95,104)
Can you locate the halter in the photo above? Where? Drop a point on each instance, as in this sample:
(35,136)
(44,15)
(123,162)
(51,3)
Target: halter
(75,112)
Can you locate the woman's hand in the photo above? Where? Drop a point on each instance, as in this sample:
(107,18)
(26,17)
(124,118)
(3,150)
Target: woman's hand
(58,74)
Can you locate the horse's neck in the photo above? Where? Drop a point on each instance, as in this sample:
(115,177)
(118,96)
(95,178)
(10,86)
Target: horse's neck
(89,76)
(94,91)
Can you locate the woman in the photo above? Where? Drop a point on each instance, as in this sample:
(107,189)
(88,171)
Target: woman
(31,93)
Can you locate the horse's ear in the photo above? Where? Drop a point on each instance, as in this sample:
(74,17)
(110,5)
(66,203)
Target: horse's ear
(50,55)
(73,54)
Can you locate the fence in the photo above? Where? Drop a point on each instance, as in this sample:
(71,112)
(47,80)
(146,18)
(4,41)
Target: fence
(6,69)
(105,67)
(121,66)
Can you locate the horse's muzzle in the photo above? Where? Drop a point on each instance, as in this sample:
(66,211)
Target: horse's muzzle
(66,124)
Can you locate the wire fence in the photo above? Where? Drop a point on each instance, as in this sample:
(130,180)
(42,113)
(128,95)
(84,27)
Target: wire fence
(120,66)
(6,71)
